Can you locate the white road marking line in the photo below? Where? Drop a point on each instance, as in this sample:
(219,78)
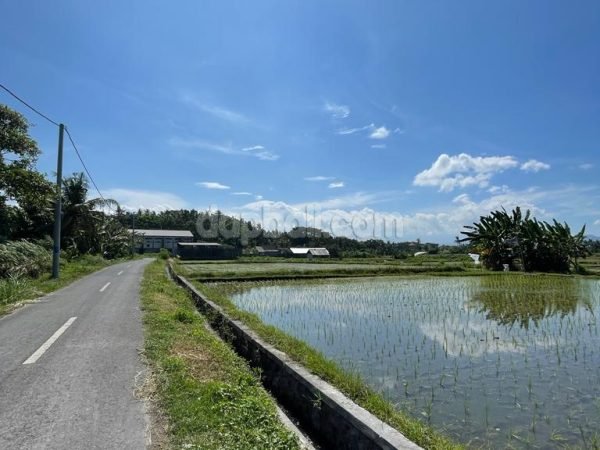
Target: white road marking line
(46,345)
(105,286)
(120,273)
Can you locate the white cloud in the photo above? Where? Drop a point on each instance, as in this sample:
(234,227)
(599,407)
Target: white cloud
(586,166)
(134,199)
(597,222)
(498,189)
(319,178)
(345,131)
(380,133)
(215,111)
(259,151)
(378,146)
(202,145)
(374,132)
(225,114)
(354,215)
(212,185)
(256,151)
(533,165)
(459,171)
(241,193)
(337,111)
(336,184)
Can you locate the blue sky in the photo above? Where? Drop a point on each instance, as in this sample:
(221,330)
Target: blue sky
(350,114)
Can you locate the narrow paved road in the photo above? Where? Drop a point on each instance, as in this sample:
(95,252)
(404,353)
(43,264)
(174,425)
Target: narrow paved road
(68,366)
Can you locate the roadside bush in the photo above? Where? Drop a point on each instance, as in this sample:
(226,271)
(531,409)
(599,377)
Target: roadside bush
(12,289)
(88,259)
(23,258)
(163,254)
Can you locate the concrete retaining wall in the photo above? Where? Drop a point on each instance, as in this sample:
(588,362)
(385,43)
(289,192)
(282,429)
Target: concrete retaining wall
(328,416)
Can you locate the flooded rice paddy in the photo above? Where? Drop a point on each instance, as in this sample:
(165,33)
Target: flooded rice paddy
(496,361)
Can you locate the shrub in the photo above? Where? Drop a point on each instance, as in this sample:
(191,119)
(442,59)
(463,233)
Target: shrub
(23,258)
(163,253)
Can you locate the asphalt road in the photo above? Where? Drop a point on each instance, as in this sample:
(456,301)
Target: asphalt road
(69,365)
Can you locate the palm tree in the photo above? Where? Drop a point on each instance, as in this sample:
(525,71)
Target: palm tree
(82,217)
(502,238)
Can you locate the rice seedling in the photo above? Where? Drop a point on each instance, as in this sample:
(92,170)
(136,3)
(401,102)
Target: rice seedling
(499,351)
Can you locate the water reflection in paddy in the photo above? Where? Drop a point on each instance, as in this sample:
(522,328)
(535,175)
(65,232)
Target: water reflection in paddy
(504,360)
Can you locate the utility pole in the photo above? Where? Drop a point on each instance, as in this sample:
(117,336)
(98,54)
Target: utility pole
(58,205)
(132,232)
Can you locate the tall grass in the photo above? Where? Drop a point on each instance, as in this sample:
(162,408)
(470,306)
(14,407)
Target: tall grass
(23,258)
(12,289)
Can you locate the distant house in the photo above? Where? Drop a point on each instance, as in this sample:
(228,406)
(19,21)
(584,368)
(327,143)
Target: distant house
(313,252)
(265,251)
(206,250)
(151,241)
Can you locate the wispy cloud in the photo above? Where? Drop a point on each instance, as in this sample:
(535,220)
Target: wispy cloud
(380,133)
(319,178)
(336,184)
(260,152)
(202,145)
(597,222)
(586,166)
(256,151)
(337,111)
(216,111)
(212,185)
(241,193)
(459,171)
(374,132)
(346,131)
(378,146)
(134,199)
(533,165)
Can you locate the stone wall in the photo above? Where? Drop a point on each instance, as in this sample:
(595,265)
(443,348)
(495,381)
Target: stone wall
(330,418)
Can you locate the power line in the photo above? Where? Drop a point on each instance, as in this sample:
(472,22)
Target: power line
(68,135)
(86,169)
(28,105)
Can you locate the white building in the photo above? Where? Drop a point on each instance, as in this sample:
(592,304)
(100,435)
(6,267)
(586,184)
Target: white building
(153,240)
(312,252)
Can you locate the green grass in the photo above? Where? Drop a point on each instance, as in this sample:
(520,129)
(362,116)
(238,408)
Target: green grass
(16,290)
(352,385)
(209,395)
(591,264)
(281,269)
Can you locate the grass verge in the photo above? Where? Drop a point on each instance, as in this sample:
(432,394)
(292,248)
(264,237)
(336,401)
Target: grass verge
(350,384)
(13,291)
(210,397)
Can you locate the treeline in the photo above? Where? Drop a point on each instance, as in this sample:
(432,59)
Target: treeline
(27,202)
(218,227)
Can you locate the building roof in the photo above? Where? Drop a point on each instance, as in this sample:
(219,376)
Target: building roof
(299,251)
(313,251)
(164,233)
(200,244)
(266,249)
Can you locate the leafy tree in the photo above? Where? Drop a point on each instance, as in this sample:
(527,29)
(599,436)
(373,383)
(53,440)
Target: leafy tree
(20,182)
(85,227)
